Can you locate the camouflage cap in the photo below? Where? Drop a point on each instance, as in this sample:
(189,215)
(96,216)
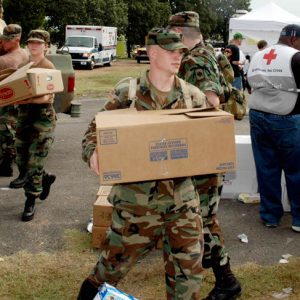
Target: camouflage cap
(11,31)
(38,35)
(166,39)
(185,19)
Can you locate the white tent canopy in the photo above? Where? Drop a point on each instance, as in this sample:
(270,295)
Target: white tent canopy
(264,23)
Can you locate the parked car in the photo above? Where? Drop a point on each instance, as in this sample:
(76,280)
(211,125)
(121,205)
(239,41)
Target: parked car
(63,62)
(141,54)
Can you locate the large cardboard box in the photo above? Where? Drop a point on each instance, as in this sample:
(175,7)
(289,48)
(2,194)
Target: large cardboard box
(26,83)
(102,210)
(149,145)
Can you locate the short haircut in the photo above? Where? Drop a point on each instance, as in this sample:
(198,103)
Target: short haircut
(262,44)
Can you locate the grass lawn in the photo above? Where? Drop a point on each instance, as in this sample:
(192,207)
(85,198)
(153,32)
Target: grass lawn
(98,82)
(57,276)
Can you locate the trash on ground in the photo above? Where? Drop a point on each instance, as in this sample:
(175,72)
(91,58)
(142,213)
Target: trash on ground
(283,261)
(5,188)
(285,293)
(243,237)
(249,198)
(89,227)
(108,292)
(286,256)
(1,259)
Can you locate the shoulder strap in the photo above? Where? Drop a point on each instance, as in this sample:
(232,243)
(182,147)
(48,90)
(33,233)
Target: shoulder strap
(186,93)
(132,86)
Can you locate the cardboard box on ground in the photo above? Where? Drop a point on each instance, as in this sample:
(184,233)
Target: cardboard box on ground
(149,145)
(26,83)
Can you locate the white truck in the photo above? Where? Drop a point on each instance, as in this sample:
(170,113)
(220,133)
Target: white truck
(90,46)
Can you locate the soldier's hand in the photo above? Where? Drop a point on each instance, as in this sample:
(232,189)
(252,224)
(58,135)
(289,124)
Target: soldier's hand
(94,163)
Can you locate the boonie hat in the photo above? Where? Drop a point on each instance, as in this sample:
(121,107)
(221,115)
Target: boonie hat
(166,39)
(290,30)
(39,36)
(238,36)
(185,19)
(11,31)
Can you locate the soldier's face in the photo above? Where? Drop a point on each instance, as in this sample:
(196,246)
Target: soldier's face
(9,45)
(36,47)
(168,61)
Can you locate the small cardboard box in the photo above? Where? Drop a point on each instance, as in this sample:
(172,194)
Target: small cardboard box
(102,209)
(150,145)
(98,235)
(26,83)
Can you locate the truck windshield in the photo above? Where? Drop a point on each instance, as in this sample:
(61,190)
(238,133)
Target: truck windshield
(79,41)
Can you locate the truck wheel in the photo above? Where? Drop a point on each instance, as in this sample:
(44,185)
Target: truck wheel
(138,61)
(92,64)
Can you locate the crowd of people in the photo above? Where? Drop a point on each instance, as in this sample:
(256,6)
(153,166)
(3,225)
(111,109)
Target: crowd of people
(184,72)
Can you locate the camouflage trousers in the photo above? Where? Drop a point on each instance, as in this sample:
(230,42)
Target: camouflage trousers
(8,119)
(209,189)
(34,137)
(143,213)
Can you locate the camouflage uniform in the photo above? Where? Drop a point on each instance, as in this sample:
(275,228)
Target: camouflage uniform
(12,60)
(34,137)
(145,211)
(199,67)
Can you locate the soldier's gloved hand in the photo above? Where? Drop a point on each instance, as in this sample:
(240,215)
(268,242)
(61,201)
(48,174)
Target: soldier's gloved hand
(94,163)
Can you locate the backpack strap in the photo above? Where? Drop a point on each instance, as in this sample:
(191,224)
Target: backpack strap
(186,94)
(132,87)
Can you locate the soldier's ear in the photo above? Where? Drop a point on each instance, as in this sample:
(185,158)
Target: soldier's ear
(152,51)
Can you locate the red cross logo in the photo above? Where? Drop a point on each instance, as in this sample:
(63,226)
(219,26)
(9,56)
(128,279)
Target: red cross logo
(270,56)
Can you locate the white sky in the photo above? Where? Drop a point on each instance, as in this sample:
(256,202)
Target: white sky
(292,6)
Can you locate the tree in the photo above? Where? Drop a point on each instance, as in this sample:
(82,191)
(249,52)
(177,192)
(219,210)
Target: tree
(88,12)
(224,10)
(144,15)
(207,15)
(26,13)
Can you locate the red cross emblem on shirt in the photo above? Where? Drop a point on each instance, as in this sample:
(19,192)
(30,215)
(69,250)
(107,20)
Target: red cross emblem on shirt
(270,56)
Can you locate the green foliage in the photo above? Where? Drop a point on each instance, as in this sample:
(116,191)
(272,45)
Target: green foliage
(214,14)
(88,12)
(133,18)
(25,13)
(144,15)
(224,10)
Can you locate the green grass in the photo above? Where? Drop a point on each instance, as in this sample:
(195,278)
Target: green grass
(58,275)
(98,82)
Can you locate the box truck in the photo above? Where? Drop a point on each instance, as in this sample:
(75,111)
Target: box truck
(90,46)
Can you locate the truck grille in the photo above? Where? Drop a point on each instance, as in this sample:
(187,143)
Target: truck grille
(77,56)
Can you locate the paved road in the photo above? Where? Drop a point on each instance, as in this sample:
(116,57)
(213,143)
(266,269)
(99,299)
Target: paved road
(69,205)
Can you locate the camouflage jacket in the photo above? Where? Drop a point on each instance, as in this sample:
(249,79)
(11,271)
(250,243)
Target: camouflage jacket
(146,99)
(199,67)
